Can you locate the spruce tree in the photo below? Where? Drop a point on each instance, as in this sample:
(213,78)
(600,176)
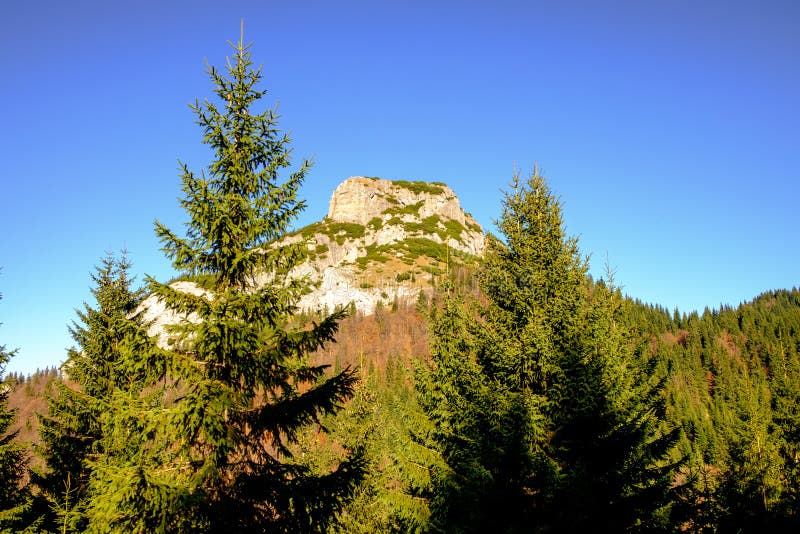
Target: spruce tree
(479,427)
(611,443)
(382,417)
(545,422)
(215,457)
(15,501)
(536,286)
(106,333)
(786,390)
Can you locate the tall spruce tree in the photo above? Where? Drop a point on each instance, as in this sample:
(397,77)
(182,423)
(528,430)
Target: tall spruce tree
(106,334)
(535,282)
(215,458)
(541,411)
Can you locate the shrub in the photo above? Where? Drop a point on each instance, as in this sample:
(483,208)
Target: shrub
(434,188)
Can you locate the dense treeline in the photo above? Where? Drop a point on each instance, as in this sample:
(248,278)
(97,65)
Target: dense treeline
(733,385)
(521,397)
(15,497)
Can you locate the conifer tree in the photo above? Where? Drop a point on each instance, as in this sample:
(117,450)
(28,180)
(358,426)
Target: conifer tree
(106,333)
(479,427)
(216,456)
(15,501)
(382,417)
(610,442)
(786,391)
(543,416)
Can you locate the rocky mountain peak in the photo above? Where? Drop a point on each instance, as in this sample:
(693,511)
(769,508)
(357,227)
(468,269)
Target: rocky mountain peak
(383,241)
(359,199)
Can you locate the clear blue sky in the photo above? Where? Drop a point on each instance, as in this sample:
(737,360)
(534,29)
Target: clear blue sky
(670,129)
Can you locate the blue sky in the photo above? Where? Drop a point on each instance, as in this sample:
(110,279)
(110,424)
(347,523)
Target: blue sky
(670,130)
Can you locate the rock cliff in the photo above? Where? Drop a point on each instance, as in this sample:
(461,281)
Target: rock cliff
(382,241)
(359,200)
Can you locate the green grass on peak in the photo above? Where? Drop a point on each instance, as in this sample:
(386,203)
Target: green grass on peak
(336,231)
(418,187)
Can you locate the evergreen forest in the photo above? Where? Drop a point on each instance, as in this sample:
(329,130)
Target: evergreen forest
(521,395)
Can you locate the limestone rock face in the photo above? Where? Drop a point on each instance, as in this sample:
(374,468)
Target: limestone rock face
(156,315)
(361,199)
(382,242)
(358,199)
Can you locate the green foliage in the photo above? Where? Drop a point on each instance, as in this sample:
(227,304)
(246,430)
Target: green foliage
(454,229)
(317,251)
(311,230)
(16,504)
(430,188)
(733,385)
(614,448)
(398,212)
(12,461)
(412,248)
(474,430)
(432,270)
(374,253)
(336,231)
(205,445)
(110,344)
(340,231)
(422,246)
(428,225)
(434,225)
(382,417)
(543,415)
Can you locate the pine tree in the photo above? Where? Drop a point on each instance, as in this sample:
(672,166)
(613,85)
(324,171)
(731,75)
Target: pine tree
(105,334)
(216,456)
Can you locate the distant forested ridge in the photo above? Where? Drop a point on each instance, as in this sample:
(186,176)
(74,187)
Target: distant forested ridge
(733,385)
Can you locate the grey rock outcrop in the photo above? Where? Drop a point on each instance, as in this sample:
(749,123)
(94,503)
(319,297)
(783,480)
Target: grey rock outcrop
(382,241)
(358,199)
(385,240)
